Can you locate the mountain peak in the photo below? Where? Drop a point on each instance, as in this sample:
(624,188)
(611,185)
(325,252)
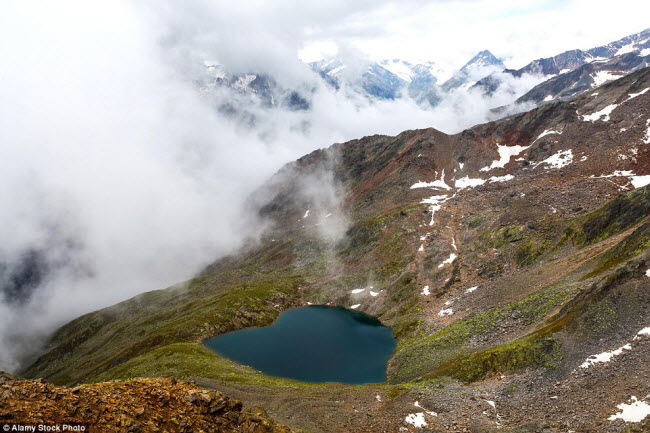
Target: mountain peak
(482,59)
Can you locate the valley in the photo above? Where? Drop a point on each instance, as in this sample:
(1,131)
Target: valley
(503,257)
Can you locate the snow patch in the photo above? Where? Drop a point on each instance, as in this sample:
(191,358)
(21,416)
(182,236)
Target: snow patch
(604,357)
(558,160)
(633,412)
(634,95)
(425,291)
(436,202)
(467,182)
(416,419)
(604,113)
(417,404)
(449,260)
(438,183)
(471,289)
(445,312)
(399,69)
(334,72)
(494,407)
(547,132)
(505,178)
(306,214)
(355,306)
(421,248)
(373,294)
(646,139)
(601,77)
(637,181)
(625,49)
(355,291)
(505,153)
(644,331)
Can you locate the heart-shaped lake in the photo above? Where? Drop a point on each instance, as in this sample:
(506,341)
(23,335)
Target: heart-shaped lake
(314,344)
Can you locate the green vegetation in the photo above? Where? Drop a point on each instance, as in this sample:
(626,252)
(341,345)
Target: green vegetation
(187,360)
(419,355)
(490,269)
(249,294)
(527,253)
(632,245)
(476,221)
(499,238)
(160,333)
(601,316)
(516,355)
(379,244)
(200,309)
(614,217)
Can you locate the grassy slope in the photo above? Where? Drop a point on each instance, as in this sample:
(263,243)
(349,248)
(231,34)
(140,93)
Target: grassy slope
(156,334)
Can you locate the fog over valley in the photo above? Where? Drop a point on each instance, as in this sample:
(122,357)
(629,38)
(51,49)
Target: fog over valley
(133,133)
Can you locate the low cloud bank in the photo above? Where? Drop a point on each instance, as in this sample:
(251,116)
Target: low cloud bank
(119,176)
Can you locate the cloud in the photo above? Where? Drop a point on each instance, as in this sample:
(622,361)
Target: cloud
(450,33)
(108,147)
(120,176)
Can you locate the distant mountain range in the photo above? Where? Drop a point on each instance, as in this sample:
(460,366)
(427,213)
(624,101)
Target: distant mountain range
(541,81)
(586,77)
(572,72)
(392,79)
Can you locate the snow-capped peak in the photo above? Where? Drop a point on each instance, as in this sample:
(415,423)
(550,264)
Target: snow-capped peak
(483,59)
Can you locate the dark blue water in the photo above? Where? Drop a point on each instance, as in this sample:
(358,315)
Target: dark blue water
(314,344)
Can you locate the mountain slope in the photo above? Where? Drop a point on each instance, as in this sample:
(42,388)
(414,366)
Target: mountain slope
(568,61)
(584,78)
(503,256)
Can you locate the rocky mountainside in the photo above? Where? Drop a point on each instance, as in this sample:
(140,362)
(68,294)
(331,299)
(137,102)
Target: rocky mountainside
(511,261)
(573,72)
(586,77)
(132,406)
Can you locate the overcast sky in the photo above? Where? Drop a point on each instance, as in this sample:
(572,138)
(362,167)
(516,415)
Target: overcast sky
(451,32)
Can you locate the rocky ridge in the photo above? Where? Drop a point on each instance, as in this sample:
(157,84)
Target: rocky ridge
(133,406)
